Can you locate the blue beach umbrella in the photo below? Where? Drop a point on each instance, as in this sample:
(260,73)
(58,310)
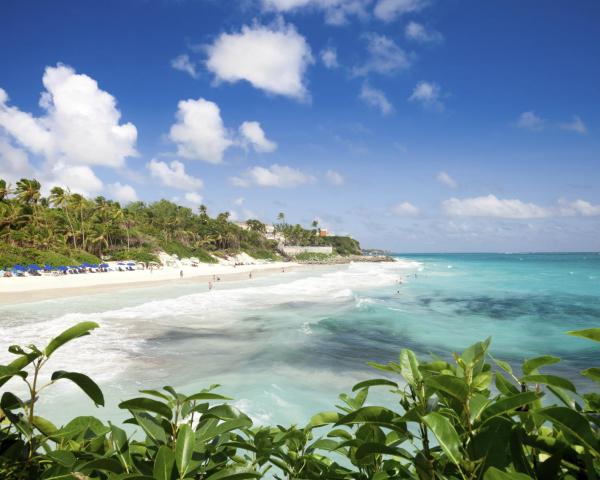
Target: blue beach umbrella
(19,268)
(33,266)
(104,265)
(48,267)
(131,264)
(62,268)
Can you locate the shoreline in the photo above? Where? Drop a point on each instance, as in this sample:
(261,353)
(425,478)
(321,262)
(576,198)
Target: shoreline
(17,290)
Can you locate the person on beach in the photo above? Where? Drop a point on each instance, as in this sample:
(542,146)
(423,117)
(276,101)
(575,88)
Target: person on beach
(210,286)
(250,275)
(180,273)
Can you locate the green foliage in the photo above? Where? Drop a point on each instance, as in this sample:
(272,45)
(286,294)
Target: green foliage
(343,245)
(312,257)
(143,255)
(182,251)
(10,255)
(448,424)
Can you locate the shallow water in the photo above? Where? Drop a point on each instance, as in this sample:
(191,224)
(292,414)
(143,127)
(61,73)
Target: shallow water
(284,346)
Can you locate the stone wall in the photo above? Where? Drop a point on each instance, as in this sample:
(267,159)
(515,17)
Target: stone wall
(291,251)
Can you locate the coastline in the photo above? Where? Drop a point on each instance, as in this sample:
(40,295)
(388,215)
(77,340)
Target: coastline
(17,290)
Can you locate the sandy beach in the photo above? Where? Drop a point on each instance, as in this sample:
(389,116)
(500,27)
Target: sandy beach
(28,289)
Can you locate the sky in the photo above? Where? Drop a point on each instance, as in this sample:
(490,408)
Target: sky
(413,125)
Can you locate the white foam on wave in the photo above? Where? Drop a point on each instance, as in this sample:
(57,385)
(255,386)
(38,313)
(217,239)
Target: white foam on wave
(126,331)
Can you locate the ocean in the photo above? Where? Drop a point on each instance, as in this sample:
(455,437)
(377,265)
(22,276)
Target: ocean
(284,346)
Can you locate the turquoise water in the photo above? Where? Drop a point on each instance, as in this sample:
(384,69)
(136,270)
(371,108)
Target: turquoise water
(284,346)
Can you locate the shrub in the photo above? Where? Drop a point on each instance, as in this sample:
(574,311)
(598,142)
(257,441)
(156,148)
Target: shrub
(136,254)
(449,425)
(312,257)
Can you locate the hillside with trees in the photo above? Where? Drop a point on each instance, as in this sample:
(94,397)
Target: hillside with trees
(65,228)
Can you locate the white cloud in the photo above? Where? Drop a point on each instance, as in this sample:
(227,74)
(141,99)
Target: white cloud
(418,33)
(385,56)
(199,132)
(253,134)
(184,64)
(375,98)
(333,177)
(389,10)
(80,125)
(405,209)
(447,180)
(14,162)
(278,176)
(122,193)
(329,57)
(576,125)
(239,201)
(193,198)
(530,121)
(336,11)
(578,208)
(492,207)
(173,175)
(273,59)
(428,94)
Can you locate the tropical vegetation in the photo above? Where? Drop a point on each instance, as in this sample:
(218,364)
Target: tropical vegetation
(471,417)
(64,228)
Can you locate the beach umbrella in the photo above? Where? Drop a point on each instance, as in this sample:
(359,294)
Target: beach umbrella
(33,266)
(62,268)
(85,265)
(131,264)
(104,265)
(121,263)
(47,267)
(19,268)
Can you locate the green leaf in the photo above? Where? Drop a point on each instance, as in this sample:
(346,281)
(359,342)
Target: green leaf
(90,388)
(104,464)
(373,383)
(323,418)
(508,405)
(235,473)
(206,396)
(10,401)
(503,365)
(184,447)
(504,385)
(373,448)
(79,330)
(409,366)
(376,416)
(590,333)
(151,426)
(164,463)
(571,421)
(531,366)
(62,457)
(550,380)
(446,435)
(493,473)
(46,427)
(147,404)
(449,384)
(592,373)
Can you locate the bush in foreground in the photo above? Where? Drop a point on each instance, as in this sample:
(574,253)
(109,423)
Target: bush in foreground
(448,424)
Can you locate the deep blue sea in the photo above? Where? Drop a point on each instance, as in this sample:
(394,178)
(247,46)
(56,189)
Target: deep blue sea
(285,345)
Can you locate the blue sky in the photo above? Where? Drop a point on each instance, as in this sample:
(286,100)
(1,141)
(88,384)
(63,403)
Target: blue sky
(415,125)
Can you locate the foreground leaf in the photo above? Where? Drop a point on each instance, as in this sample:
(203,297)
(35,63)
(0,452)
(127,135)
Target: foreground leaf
(590,334)
(90,388)
(147,404)
(80,330)
(446,435)
(184,447)
(164,463)
(532,365)
(550,380)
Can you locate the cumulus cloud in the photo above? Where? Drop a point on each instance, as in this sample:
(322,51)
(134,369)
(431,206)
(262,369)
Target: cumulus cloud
(271,58)
(578,208)
(14,162)
(199,132)
(417,32)
(389,10)
(447,180)
(530,121)
(405,209)
(193,198)
(278,176)
(335,178)
(576,125)
(122,193)
(427,94)
(336,11)
(252,134)
(375,98)
(385,56)
(173,175)
(184,64)
(329,57)
(80,125)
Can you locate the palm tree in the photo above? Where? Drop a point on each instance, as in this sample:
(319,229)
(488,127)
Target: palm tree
(28,191)
(78,202)
(60,198)
(281,217)
(4,190)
